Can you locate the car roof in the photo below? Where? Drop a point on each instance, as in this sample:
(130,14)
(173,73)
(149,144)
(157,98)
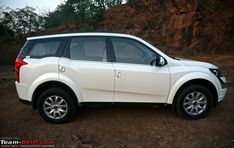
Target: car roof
(81,34)
(96,34)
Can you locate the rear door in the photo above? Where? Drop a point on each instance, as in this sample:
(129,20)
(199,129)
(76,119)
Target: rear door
(86,63)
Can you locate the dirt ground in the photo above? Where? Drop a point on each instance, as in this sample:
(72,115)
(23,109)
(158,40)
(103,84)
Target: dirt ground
(129,126)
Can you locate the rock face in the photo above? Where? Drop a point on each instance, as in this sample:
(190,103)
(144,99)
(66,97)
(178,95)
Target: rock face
(192,26)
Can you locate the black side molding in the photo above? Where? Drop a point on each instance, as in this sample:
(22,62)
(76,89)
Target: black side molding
(120,104)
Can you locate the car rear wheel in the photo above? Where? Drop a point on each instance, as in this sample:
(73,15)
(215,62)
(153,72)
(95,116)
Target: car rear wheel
(194,102)
(56,105)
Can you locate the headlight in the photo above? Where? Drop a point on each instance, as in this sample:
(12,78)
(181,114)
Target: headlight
(216,72)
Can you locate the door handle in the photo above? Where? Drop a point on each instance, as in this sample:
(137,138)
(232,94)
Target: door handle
(118,74)
(61,68)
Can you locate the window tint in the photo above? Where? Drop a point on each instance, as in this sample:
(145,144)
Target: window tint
(88,48)
(130,51)
(44,48)
(24,50)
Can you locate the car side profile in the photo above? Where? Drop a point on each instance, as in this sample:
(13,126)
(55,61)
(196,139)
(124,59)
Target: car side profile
(58,73)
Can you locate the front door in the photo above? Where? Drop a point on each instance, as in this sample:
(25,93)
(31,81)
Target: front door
(136,80)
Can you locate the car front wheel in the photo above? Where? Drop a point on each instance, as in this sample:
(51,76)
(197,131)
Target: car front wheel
(194,102)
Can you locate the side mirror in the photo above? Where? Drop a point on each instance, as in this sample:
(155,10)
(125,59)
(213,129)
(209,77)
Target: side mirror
(160,62)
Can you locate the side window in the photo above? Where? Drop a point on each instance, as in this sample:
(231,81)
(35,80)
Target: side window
(24,50)
(131,51)
(88,48)
(44,48)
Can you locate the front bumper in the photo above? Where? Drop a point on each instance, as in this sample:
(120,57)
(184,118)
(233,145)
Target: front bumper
(25,102)
(222,94)
(223,90)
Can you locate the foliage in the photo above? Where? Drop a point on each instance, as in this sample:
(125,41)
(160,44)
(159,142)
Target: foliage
(202,5)
(86,13)
(113,3)
(22,20)
(5,33)
(83,13)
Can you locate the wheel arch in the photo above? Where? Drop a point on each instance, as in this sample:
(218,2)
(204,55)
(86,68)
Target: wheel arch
(42,87)
(206,83)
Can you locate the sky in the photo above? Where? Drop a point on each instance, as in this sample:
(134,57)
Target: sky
(39,5)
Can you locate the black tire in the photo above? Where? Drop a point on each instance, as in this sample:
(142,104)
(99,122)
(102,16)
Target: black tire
(68,102)
(187,108)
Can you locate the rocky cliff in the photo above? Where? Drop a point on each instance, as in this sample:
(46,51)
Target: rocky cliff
(190,26)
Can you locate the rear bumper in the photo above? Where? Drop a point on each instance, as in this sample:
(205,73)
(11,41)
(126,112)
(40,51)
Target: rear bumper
(22,91)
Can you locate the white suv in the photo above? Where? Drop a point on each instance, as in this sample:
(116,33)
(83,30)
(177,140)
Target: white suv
(57,73)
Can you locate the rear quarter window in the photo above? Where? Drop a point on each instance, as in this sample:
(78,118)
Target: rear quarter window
(45,48)
(24,50)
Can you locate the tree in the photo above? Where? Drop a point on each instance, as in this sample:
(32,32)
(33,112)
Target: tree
(113,3)
(86,13)
(22,20)
(5,33)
